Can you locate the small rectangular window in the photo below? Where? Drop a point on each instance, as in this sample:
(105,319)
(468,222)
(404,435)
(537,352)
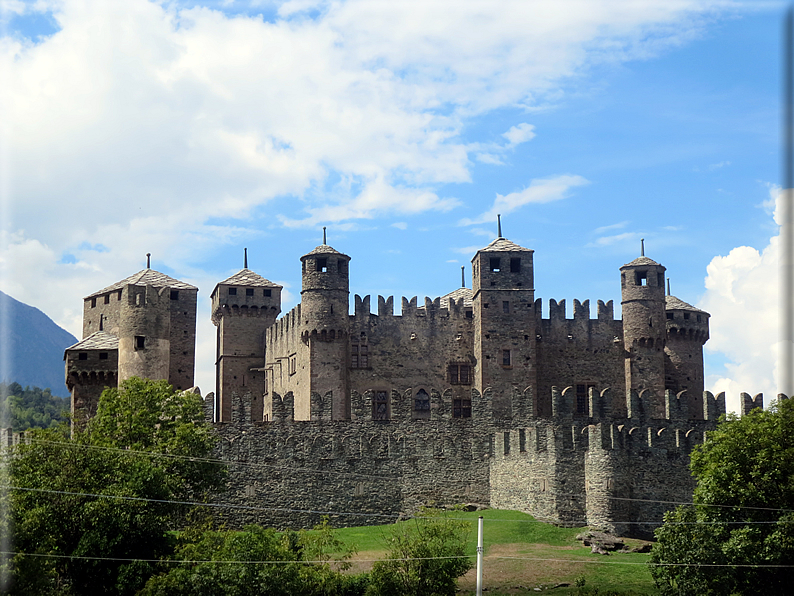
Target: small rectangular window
(322,265)
(140,342)
(515,265)
(103,355)
(505,306)
(174,294)
(118,297)
(698,318)
(293,365)
(106,298)
(380,406)
(268,293)
(363,356)
(670,316)
(341,265)
(249,291)
(82,356)
(686,316)
(461,408)
(496,264)
(522,440)
(232,291)
(354,356)
(641,278)
(507,443)
(459,374)
(93,302)
(660,279)
(506,361)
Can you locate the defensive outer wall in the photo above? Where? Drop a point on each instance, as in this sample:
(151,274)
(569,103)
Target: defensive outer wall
(617,474)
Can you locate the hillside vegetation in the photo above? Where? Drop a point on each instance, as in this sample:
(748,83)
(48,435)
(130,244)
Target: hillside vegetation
(31,407)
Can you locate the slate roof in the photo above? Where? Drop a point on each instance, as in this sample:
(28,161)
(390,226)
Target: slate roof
(465,293)
(246,277)
(147,277)
(673,303)
(324,249)
(641,261)
(99,340)
(504,245)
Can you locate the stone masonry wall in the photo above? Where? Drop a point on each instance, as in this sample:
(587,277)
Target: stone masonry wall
(287,473)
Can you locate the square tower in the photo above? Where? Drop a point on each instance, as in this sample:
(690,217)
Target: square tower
(504,321)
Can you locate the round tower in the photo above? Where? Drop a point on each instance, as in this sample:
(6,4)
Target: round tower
(145,333)
(324,328)
(687,330)
(644,330)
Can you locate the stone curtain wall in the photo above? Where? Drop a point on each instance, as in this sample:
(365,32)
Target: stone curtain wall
(291,473)
(600,470)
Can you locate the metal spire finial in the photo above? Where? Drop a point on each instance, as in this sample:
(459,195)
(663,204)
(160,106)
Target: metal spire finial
(324,241)
(148,260)
(245,258)
(642,245)
(463,277)
(668,287)
(499,224)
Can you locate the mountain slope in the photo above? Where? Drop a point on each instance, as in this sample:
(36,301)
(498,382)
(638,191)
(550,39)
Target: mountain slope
(32,346)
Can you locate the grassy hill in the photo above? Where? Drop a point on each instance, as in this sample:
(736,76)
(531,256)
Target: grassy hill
(523,554)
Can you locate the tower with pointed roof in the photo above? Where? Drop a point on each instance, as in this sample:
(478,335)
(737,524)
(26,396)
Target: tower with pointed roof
(503,299)
(243,307)
(687,331)
(644,326)
(144,326)
(324,329)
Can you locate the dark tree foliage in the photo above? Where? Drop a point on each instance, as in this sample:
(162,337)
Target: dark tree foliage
(426,557)
(257,562)
(31,407)
(742,523)
(59,500)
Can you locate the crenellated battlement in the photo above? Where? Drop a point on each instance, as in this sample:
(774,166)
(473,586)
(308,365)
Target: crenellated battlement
(581,310)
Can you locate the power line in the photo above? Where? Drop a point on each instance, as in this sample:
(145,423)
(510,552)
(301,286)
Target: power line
(386,478)
(349,513)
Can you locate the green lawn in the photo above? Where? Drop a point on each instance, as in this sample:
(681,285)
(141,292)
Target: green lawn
(520,551)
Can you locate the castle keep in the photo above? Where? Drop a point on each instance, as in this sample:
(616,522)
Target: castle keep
(470,397)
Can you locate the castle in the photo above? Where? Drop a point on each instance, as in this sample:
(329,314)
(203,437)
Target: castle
(469,397)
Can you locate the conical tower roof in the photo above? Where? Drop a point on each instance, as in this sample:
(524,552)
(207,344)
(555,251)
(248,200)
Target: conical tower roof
(504,245)
(642,262)
(673,303)
(146,277)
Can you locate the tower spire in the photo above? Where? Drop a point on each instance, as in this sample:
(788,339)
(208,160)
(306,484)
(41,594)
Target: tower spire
(245,258)
(148,260)
(324,240)
(642,247)
(499,225)
(463,277)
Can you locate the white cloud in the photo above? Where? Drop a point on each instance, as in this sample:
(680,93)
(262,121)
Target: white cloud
(615,226)
(624,238)
(400,225)
(742,295)
(519,134)
(143,126)
(540,190)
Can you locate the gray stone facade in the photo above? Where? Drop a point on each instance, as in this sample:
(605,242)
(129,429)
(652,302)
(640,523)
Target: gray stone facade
(469,397)
(144,326)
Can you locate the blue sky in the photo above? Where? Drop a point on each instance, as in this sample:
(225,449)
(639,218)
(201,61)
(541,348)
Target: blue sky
(191,130)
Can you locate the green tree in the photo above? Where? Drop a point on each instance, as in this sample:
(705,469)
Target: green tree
(426,557)
(81,507)
(257,562)
(742,523)
(32,407)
